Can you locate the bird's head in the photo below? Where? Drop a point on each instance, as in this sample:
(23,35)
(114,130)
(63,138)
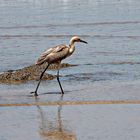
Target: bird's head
(76,39)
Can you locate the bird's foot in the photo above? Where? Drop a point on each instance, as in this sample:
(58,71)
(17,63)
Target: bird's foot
(35,93)
(62,93)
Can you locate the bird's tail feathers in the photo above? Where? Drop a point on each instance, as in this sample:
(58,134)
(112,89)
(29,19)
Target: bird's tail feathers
(40,62)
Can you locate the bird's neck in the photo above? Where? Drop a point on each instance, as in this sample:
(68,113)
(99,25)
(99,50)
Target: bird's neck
(71,48)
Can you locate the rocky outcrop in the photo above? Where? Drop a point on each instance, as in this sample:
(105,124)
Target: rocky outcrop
(28,73)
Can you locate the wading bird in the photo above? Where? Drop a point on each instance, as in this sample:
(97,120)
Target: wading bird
(56,55)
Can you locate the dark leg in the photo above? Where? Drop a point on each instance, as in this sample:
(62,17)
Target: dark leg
(62,92)
(35,92)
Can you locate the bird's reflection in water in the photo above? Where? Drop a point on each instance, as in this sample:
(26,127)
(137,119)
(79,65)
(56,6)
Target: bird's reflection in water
(50,132)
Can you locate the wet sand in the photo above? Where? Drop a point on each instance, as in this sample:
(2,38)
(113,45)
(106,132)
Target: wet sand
(101,111)
(77,122)
(71,122)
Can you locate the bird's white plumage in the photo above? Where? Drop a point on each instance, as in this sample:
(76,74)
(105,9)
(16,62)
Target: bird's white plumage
(74,39)
(58,53)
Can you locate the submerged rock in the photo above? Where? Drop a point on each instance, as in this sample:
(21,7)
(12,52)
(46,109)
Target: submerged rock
(29,73)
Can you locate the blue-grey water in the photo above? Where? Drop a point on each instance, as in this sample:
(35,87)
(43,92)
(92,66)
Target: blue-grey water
(108,67)
(111,28)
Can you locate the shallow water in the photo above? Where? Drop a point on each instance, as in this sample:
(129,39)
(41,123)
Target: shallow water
(108,68)
(74,122)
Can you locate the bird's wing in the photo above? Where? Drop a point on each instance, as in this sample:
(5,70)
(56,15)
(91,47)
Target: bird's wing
(58,48)
(55,49)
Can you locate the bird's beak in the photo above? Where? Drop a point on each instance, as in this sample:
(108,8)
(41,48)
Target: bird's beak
(83,41)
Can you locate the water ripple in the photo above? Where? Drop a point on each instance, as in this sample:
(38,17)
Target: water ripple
(66,35)
(71,24)
(98,76)
(120,63)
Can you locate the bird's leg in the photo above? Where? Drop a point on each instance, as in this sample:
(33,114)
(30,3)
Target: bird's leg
(35,92)
(62,92)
